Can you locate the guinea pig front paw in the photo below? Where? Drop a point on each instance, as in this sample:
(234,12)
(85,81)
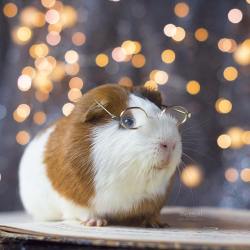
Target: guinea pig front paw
(154,223)
(94,222)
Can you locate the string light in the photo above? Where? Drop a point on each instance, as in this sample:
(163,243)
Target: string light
(242,53)
(151,85)
(231,175)
(10,10)
(138,61)
(179,34)
(22,137)
(74,94)
(71,56)
(39,118)
(48,3)
(24,82)
(193,87)
(53,38)
(245,174)
(159,76)
(201,34)
(168,56)
(191,176)
(235,15)
(52,16)
(101,60)
(170,30)
(223,106)
(78,39)
(245,137)
(22,35)
(76,82)
(230,73)
(119,54)
(224,141)
(126,82)
(68,108)
(235,134)
(227,45)
(181,9)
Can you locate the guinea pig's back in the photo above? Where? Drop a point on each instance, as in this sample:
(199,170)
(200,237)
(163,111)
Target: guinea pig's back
(37,195)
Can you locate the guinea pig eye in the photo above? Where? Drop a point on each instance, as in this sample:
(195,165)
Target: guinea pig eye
(133,118)
(127,121)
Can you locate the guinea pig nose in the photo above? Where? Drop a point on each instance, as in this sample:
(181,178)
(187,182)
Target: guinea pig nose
(164,145)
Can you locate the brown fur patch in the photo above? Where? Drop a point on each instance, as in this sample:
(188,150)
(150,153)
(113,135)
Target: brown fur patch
(67,156)
(152,95)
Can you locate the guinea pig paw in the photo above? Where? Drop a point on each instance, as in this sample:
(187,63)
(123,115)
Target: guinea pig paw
(154,223)
(94,222)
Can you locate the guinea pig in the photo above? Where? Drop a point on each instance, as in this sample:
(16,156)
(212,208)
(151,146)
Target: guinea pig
(99,168)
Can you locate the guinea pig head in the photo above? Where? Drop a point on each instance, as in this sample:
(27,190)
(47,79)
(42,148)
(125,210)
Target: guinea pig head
(130,131)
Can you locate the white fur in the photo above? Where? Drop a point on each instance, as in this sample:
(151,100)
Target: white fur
(37,194)
(124,162)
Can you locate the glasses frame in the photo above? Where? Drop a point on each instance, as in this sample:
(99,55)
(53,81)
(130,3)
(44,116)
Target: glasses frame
(164,108)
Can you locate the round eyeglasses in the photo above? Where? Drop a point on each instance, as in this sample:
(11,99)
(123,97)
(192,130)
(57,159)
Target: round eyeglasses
(135,117)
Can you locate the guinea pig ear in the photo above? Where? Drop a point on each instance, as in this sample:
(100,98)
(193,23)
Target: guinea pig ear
(95,110)
(151,94)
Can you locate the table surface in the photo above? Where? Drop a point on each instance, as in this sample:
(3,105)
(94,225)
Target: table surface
(179,218)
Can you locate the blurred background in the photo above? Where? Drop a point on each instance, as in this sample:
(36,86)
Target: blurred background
(196,52)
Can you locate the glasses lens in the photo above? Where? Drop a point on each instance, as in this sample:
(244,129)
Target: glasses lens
(178,112)
(133,118)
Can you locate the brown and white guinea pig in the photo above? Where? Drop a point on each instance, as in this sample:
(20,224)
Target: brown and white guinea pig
(88,167)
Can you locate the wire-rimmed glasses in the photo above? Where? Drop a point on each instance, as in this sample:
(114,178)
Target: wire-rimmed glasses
(135,117)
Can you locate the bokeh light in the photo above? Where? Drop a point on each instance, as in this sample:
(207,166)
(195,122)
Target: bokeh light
(151,85)
(242,53)
(201,34)
(168,56)
(39,118)
(223,105)
(230,73)
(76,83)
(71,56)
(138,61)
(125,81)
(10,10)
(235,15)
(22,137)
(181,9)
(101,60)
(179,34)
(22,35)
(48,3)
(227,45)
(52,16)
(24,82)
(78,38)
(191,176)
(193,87)
(235,134)
(245,174)
(170,30)
(159,76)
(224,141)
(231,175)
(74,94)
(68,108)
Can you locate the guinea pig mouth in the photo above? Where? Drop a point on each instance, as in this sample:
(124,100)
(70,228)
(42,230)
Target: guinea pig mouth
(160,167)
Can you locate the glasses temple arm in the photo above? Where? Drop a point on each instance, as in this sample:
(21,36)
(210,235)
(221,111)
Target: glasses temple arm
(112,116)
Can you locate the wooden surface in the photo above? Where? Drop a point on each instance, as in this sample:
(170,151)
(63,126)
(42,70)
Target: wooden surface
(182,220)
